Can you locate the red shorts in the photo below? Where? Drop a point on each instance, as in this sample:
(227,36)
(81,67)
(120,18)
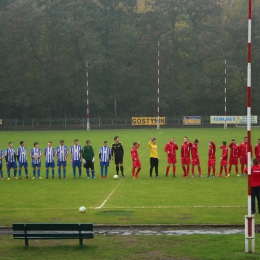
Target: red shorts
(223,162)
(233,161)
(243,160)
(185,160)
(195,161)
(211,162)
(172,159)
(136,164)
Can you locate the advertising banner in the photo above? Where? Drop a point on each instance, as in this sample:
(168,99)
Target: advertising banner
(148,120)
(232,119)
(243,120)
(192,120)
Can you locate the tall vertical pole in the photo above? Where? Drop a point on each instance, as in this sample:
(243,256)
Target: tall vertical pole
(225,122)
(88,124)
(249,219)
(158,88)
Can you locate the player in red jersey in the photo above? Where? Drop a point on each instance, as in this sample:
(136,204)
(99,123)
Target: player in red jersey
(257,150)
(243,150)
(185,156)
(223,158)
(170,148)
(233,157)
(135,160)
(212,158)
(195,158)
(255,185)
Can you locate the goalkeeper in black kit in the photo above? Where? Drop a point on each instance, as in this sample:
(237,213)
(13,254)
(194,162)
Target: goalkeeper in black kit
(117,152)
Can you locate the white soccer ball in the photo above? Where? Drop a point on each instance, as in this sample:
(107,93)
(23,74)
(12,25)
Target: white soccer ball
(82,209)
(115,177)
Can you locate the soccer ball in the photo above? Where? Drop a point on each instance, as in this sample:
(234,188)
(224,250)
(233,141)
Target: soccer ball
(115,177)
(82,209)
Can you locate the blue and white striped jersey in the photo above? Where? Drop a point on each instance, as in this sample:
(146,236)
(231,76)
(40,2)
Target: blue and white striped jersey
(49,153)
(21,154)
(62,152)
(1,155)
(75,151)
(36,152)
(10,155)
(105,153)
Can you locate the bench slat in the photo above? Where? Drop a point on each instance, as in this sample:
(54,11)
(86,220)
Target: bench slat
(54,236)
(52,226)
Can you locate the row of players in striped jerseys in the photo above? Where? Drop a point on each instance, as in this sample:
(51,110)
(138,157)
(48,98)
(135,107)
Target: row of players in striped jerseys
(78,155)
(188,149)
(85,154)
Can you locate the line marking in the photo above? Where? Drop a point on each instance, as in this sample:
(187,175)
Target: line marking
(126,207)
(111,193)
(169,207)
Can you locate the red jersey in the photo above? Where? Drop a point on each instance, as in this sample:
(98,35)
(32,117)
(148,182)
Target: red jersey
(134,153)
(194,151)
(257,151)
(224,155)
(255,175)
(234,150)
(170,148)
(243,149)
(212,151)
(185,149)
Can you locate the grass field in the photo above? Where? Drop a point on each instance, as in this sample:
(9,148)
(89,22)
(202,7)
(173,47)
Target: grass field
(127,201)
(140,201)
(163,247)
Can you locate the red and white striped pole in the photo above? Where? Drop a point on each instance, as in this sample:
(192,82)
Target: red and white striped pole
(249,219)
(88,124)
(158,88)
(225,121)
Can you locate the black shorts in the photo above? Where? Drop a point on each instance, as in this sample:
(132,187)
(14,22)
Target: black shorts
(154,162)
(89,164)
(119,159)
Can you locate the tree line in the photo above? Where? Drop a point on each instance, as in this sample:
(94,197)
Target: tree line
(45,45)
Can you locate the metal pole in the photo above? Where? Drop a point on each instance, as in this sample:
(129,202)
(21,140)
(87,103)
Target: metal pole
(249,219)
(88,124)
(158,88)
(115,107)
(225,122)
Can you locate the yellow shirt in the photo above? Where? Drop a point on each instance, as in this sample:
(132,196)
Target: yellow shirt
(153,150)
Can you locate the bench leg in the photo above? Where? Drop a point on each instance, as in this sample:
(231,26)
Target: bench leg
(26,243)
(80,243)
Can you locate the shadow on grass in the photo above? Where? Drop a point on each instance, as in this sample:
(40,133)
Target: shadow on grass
(115,213)
(37,245)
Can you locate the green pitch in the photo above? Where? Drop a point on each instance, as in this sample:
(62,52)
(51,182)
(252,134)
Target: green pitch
(127,201)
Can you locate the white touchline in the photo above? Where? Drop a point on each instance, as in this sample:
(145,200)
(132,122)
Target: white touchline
(126,207)
(169,207)
(104,202)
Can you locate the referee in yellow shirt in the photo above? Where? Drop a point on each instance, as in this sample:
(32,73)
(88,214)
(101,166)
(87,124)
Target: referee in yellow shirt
(154,159)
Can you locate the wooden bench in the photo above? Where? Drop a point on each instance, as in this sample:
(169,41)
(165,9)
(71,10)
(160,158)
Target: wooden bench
(28,231)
